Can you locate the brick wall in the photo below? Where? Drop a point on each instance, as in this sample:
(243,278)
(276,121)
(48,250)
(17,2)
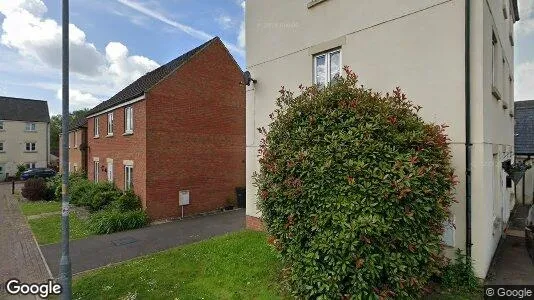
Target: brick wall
(254,223)
(196,135)
(77,156)
(120,147)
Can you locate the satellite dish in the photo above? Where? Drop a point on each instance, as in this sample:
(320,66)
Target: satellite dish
(248,78)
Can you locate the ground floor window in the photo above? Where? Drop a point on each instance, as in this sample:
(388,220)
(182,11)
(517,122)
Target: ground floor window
(110,171)
(128,177)
(30,165)
(96,170)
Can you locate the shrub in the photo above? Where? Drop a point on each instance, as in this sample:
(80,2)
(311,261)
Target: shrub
(459,275)
(74,179)
(113,220)
(81,193)
(127,201)
(102,198)
(354,188)
(35,189)
(20,169)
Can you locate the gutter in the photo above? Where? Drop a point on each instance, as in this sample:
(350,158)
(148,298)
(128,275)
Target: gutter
(468,145)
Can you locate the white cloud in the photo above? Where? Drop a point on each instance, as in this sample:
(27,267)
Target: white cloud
(225,21)
(199,34)
(78,99)
(524,81)
(241,38)
(37,40)
(525,26)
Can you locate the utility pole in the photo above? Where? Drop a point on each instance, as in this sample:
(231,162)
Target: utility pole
(65,272)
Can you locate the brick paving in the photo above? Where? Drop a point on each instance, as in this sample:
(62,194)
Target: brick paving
(19,254)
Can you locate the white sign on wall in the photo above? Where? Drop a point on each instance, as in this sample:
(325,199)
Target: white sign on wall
(184,198)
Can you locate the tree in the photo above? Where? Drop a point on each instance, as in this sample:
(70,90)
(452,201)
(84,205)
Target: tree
(354,188)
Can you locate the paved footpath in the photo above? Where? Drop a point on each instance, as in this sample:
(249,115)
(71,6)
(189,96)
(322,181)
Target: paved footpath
(19,254)
(102,250)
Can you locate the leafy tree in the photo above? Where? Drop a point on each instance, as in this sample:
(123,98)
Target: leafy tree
(354,188)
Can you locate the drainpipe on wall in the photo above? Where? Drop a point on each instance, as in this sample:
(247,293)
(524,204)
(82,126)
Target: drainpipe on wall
(468,145)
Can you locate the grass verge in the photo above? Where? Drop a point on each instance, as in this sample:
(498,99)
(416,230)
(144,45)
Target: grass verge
(40,207)
(47,230)
(234,266)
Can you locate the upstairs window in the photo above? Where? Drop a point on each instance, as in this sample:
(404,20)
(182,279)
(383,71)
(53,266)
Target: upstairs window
(31,147)
(327,66)
(74,139)
(2,125)
(31,127)
(110,124)
(96,127)
(1,146)
(128,120)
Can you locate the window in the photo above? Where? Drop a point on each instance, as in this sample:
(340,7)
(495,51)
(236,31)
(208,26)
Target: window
(110,171)
(110,124)
(2,147)
(30,147)
(128,177)
(96,127)
(31,127)
(327,66)
(30,165)
(96,170)
(2,125)
(494,62)
(128,119)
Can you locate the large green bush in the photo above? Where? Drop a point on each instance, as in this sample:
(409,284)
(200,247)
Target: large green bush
(354,188)
(113,220)
(127,201)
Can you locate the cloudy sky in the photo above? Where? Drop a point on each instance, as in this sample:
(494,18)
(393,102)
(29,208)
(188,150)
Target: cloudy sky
(113,42)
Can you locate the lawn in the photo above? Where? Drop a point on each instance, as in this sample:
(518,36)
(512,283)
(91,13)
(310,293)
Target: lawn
(40,207)
(235,266)
(47,230)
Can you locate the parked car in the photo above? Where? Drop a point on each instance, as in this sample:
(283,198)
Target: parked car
(37,173)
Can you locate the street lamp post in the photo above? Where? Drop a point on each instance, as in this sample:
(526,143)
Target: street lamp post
(65,272)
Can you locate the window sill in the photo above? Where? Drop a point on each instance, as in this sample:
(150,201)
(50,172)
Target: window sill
(96,137)
(109,135)
(314,3)
(31,131)
(30,151)
(128,133)
(2,151)
(495,93)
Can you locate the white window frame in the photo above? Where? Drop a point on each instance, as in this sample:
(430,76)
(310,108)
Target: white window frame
(327,55)
(31,127)
(128,120)
(96,170)
(2,125)
(128,177)
(31,165)
(110,124)
(110,171)
(96,127)
(30,147)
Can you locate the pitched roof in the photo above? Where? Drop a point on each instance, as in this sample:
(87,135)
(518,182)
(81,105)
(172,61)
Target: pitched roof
(18,109)
(524,127)
(145,82)
(80,123)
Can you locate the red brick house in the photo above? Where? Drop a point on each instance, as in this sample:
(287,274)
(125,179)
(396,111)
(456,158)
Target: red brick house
(77,147)
(177,132)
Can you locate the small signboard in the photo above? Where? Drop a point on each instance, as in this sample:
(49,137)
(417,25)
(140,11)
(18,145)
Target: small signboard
(184,198)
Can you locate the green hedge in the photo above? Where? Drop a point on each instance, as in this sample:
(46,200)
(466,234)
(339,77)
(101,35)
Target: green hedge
(113,220)
(354,188)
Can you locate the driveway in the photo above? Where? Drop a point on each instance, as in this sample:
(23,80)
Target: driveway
(19,254)
(102,250)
